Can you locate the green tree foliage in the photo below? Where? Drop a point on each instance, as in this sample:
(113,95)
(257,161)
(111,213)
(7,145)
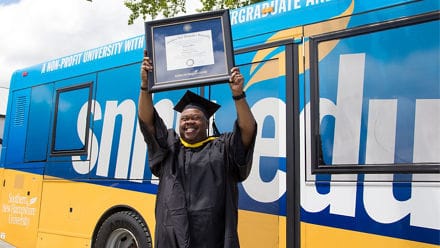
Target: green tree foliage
(170,8)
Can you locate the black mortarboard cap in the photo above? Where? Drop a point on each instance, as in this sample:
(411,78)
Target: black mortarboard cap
(190,99)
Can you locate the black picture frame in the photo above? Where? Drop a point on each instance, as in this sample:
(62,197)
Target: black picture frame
(189,51)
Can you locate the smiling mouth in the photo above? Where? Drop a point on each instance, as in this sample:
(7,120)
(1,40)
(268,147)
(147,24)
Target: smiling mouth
(190,130)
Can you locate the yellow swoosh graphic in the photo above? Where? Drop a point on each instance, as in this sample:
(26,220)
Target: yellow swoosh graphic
(260,72)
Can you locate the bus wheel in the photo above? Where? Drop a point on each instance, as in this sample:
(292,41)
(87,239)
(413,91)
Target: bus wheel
(123,229)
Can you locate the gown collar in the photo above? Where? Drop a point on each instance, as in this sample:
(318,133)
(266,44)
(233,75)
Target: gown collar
(198,144)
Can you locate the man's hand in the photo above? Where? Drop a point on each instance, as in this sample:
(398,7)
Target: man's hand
(246,121)
(146,67)
(236,82)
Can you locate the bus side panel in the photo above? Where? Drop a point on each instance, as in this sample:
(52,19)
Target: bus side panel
(116,98)
(71,210)
(17,123)
(324,236)
(20,206)
(40,111)
(59,240)
(2,230)
(377,102)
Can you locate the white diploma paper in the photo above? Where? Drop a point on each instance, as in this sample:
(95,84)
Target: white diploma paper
(189,50)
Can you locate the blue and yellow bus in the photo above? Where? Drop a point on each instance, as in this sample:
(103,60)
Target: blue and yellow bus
(347,97)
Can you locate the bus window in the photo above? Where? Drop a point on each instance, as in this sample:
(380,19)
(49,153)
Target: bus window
(66,138)
(376,98)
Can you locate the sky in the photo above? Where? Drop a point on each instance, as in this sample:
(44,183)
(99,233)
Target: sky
(34,31)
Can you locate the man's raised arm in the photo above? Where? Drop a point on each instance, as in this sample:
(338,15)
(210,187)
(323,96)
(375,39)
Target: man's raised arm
(145,104)
(246,120)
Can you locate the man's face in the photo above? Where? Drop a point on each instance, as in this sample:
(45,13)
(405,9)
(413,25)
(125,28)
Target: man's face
(193,125)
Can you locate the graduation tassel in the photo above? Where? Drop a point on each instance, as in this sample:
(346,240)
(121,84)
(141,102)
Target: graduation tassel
(215,129)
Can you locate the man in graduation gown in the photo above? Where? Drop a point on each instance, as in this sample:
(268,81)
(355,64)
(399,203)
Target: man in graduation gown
(197,199)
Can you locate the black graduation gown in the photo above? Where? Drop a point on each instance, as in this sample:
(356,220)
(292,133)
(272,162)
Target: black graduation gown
(197,199)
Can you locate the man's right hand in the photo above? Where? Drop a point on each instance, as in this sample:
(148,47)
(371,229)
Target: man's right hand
(147,66)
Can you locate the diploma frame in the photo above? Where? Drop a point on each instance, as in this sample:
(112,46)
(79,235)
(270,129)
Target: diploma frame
(189,51)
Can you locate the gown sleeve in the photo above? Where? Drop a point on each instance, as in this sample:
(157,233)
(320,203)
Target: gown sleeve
(240,158)
(156,144)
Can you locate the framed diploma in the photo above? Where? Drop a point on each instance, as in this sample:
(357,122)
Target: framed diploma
(189,51)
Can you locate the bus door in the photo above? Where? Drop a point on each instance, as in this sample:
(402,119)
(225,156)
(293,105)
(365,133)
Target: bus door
(263,202)
(68,158)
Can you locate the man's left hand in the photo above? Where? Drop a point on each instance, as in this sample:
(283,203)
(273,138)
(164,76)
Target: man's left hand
(236,81)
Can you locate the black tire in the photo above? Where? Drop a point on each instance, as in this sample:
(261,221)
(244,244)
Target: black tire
(123,229)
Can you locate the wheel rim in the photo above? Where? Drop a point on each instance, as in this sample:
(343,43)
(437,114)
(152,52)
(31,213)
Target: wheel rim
(121,238)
